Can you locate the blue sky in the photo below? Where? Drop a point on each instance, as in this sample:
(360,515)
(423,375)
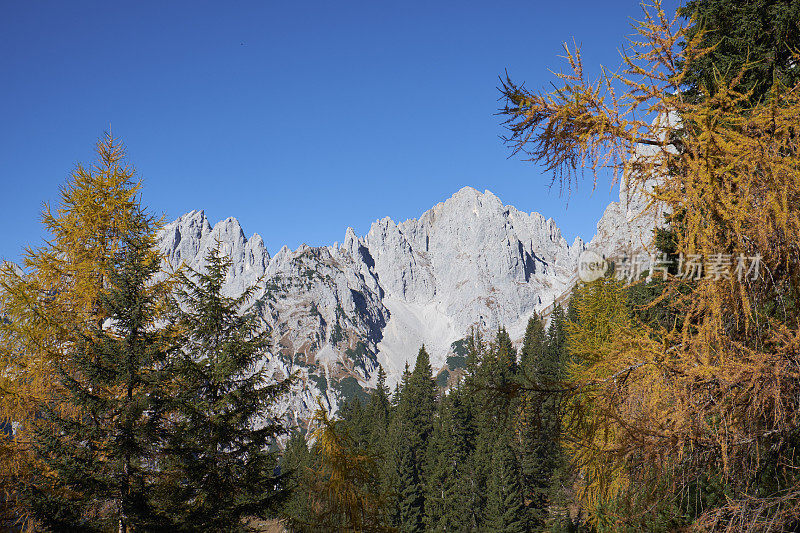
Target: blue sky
(298,118)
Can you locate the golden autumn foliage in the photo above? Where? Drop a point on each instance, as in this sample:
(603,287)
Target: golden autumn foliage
(660,411)
(54,296)
(343,481)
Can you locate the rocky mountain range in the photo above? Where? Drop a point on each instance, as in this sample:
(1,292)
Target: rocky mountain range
(338,312)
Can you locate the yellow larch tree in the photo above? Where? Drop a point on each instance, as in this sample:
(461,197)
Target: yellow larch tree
(53,296)
(656,410)
(343,482)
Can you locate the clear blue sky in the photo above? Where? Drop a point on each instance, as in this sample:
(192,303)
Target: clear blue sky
(298,118)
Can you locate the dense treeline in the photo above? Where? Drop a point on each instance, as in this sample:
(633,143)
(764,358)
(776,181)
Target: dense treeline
(483,456)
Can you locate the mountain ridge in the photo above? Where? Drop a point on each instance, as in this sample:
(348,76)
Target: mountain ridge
(337,312)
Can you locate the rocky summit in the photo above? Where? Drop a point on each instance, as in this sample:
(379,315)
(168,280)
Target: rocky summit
(338,312)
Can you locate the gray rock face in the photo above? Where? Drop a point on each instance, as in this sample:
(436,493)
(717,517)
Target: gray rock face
(339,311)
(626,227)
(467,261)
(188,240)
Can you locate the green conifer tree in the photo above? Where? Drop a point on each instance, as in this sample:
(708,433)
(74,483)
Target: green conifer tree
(540,422)
(378,411)
(556,341)
(419,402)
(411,429)
(762,33)
(355,420)
(498,377)
(505,507)
(296,466)
(448,488)
(532,343)
(98,471)
(410,491)
(506,353)
(475,348)
(217,457)
(401,385)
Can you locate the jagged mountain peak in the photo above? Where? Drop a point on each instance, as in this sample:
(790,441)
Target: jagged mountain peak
(339,311)
(470,259)
(188,239)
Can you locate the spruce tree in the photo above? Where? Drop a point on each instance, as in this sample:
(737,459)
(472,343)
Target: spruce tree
(506,353)
(419,402)
(532,344)
(378,412)
(499,378)
(217,456)
(448,499)
(296,465)
(411,429)
(396,441)
(438,473)
(378,415)
(474,351)
(354,419)
(410,496)
(530,420)
(763,34)
(401,385)
(556,342)
(540,423)
(480,403)
(98,471)
(505,506)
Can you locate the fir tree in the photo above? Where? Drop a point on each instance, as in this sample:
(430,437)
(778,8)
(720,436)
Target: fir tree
(217,454)
(410,491)
(296,467)
(97,471)
(448,500)
(763,35)
(505,507)
(56,294)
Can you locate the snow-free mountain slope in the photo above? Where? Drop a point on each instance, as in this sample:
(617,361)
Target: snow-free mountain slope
(339,311)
